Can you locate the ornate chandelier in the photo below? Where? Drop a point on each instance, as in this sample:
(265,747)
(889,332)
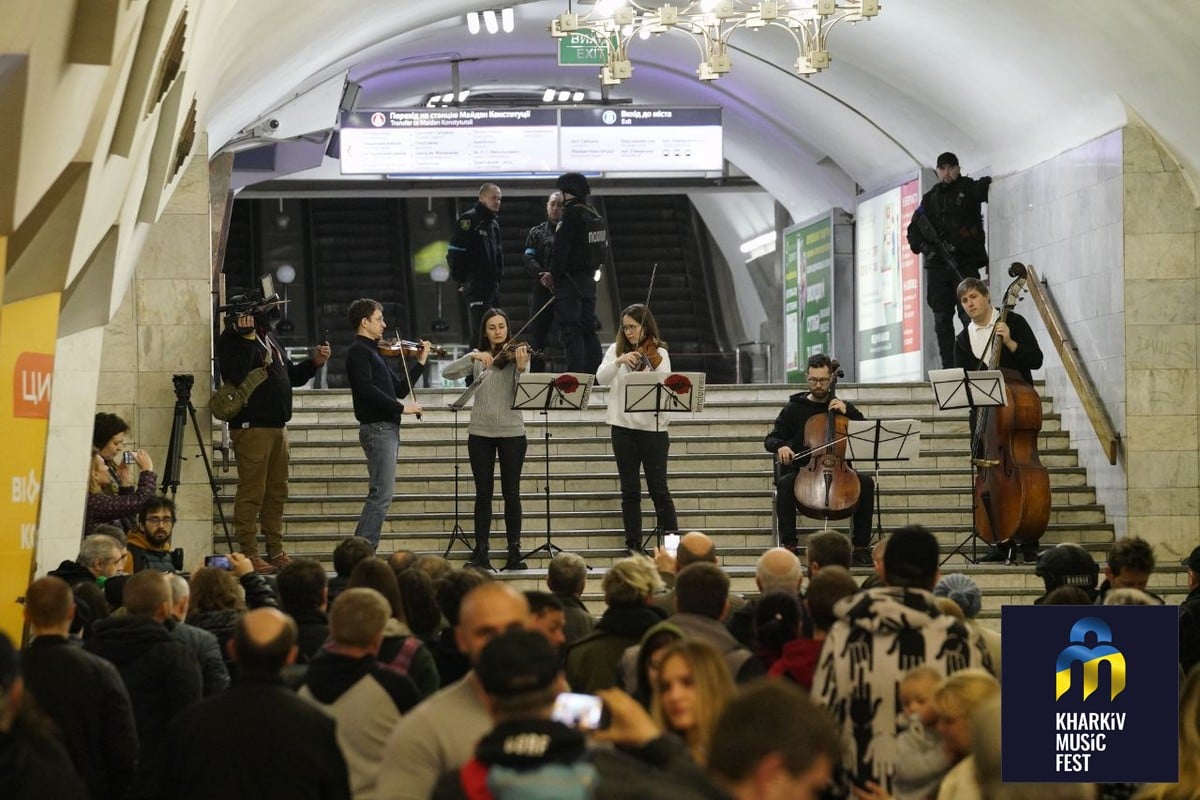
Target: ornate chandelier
(614,24)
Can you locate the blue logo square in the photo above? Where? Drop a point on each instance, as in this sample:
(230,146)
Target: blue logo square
(1090,694)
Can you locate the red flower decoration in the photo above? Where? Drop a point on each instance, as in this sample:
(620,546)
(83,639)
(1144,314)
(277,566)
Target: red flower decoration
(567,384)
(679,384)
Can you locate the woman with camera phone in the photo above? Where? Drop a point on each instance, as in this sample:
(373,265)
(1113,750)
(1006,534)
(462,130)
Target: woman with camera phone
(495,430)
(639,440)
(115,490)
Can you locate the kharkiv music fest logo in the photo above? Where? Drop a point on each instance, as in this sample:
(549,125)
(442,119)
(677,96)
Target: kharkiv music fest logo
(1110,712)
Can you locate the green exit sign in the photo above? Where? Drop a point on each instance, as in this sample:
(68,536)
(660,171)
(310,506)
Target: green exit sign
(585,48)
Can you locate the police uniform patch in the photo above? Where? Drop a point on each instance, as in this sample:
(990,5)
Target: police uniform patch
(465,224)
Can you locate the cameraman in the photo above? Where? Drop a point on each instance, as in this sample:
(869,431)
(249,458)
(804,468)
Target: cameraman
(260,444)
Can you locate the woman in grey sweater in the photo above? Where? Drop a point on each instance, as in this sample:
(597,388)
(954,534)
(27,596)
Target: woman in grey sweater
(495,430)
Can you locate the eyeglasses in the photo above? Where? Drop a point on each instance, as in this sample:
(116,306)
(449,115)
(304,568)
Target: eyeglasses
(628,328)
(818,381)
(160,520)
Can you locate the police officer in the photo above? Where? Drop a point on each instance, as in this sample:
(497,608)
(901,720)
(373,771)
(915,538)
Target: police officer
(539,247)
(580,249)
(949,221)
(475,259)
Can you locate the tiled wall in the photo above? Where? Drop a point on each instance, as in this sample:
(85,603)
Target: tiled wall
(1065,217)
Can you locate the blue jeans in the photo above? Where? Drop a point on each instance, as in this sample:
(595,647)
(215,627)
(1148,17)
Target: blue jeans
(380,442)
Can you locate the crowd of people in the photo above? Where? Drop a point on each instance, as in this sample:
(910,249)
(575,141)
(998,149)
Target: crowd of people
(412,677)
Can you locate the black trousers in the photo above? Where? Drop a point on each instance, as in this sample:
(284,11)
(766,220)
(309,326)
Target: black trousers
(539,329)
(941,293)
(860,523)
(575,312)
(643,451)
(483,451)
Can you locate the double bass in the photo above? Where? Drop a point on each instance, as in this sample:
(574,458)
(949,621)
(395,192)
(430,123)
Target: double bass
(827,487)
(1012,488)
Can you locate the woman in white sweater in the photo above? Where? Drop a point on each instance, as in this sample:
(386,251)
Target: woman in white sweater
(640,442)
(495,430)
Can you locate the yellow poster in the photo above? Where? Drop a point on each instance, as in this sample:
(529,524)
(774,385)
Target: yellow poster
(28,330)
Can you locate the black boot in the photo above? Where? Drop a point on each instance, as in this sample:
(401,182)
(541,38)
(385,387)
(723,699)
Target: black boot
(514,562)
(479,558)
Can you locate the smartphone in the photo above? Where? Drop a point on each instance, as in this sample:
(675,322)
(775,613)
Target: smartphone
(128,456)
(219,561)
(671,544)
(578,710)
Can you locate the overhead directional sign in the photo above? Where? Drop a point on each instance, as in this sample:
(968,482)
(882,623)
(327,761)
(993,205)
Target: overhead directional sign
(585,48)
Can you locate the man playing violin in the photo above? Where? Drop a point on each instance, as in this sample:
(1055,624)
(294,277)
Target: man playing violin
(786,440)
(378,394)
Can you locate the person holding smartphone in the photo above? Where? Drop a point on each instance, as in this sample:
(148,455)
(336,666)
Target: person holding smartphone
(116,490)
(639,439)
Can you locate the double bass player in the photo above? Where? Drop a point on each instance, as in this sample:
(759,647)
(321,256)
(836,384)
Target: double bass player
(1019,351)
(786,440)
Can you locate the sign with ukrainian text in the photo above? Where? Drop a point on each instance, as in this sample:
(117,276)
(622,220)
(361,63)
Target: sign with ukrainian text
(793,289)
(585,48)
(1090,694)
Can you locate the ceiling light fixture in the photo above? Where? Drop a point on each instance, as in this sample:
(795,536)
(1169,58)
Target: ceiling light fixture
(711,23)
(507,21)
(490,21)
(473,22)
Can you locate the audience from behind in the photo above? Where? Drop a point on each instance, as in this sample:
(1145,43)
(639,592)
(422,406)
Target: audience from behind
(958,697)
(1067,564)
(149,544)
(347,682)
(211,747)
(115,489)
(948,606)
(921,761)
(650,655)
(827,549)
(202,644)
(1189,615)
(963,590)
(346,555)
(436,567)
(162,677)
(33,765)
(629,585)
(440,734)
(694,548)
(1067,596)
(880,634)
(692,689)
(798,659)
(220,597)
(778,569)
(548,617)
(985,726)
(701,602)
(421,610)
(400,650)
(1130,562)
(303,591)
(82,693)
(773,742)
(1188,785)
(566,577)
(778,620)
(402,560)
(1131,597)
(876,576)
(452,663)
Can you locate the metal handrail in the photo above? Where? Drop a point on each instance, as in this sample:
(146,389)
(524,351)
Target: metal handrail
(1106,432)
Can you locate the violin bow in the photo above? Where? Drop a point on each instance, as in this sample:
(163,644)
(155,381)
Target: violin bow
(412,392)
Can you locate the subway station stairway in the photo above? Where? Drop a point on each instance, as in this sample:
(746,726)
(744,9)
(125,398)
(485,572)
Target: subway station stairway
(720,479)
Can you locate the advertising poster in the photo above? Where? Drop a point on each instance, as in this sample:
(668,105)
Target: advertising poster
(887,279)
(27,338)
(792,290)
(816,305)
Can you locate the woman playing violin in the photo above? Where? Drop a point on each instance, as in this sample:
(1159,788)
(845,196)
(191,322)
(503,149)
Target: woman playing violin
(495,430)
(639,440)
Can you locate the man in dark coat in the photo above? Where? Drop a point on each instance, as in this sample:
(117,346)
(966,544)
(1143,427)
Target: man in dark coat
(947,228)
(539,248)
(475,258)
(162,677)
(214,748)
(81,692)
(1189,615)
(303,593)
(581,248)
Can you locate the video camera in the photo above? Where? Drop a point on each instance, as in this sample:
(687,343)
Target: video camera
(262,304)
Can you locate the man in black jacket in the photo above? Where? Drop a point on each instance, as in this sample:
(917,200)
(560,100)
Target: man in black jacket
(378,394)
(539,248)
(81,692)
(475,258)
(1189,615)
(260,444)
(162,677)
(786,441)
(949,220)
(581,248)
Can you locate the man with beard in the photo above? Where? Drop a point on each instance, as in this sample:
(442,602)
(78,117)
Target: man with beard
(786,440)
(150,544)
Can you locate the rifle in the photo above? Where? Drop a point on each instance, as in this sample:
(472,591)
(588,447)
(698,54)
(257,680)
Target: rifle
(945,249)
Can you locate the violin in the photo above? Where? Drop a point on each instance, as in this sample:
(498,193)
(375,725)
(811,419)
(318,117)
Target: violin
(827,488)
(399,347)
(508,353)
(648,350)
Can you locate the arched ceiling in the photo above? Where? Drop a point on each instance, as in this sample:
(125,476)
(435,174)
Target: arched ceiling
(1005,85)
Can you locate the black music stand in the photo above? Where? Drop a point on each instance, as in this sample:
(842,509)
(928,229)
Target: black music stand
(545,392)
(456,533)
(882,440)
(663,392)
(958,388)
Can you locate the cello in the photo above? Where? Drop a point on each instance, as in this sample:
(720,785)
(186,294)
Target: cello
(1012,487)
(827,487)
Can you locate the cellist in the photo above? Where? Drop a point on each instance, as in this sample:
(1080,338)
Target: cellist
(973,349)
(786,441)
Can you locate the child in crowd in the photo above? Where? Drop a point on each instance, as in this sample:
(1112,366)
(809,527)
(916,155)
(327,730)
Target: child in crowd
(920,760)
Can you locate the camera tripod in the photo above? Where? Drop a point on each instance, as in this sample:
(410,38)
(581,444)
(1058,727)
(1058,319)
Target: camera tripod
(170,480)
